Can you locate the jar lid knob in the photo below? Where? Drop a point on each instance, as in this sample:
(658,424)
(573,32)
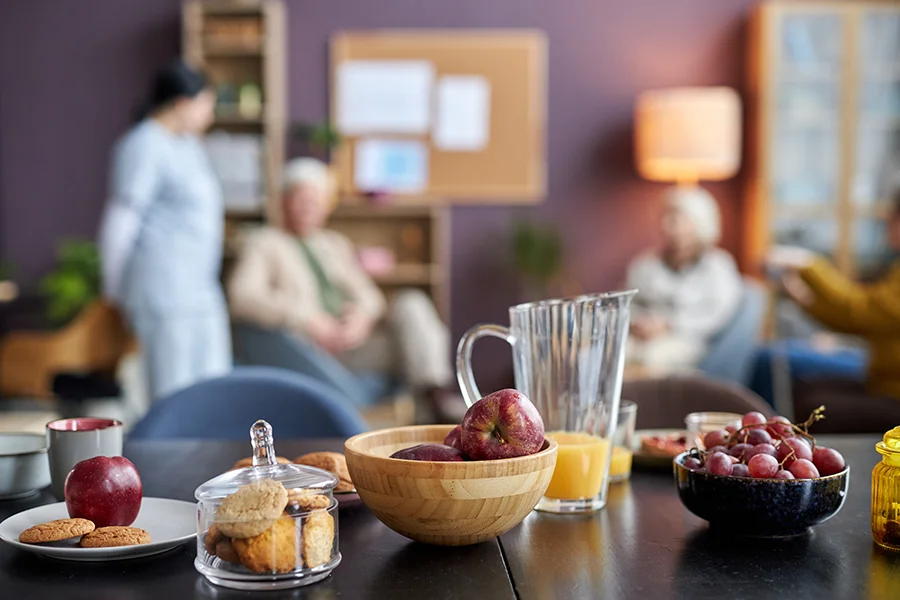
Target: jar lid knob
(263,444)
(892,439)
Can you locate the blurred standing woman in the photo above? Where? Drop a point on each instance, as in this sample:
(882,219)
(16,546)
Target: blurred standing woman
(161,236)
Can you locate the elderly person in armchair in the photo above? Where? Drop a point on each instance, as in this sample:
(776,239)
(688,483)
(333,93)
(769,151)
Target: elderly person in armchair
(304,279)
(868,310)
(689,289)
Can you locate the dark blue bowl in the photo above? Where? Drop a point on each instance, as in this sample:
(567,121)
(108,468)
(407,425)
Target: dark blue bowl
(760,507)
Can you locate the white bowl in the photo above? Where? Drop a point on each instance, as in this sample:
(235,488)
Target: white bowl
(24,468)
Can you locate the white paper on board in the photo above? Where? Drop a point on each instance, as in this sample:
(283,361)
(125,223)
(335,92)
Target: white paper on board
(384,96)
(390,166)
(463,119)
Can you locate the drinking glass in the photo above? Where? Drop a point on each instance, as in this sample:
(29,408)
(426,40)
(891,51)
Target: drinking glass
(623,442)
(568,358)
(700,423)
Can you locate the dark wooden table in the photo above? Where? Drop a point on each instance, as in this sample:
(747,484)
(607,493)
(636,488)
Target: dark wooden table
(643,546)
(377,563)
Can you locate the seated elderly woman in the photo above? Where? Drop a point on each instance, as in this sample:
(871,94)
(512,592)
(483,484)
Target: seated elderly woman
(688,290)
(304,279)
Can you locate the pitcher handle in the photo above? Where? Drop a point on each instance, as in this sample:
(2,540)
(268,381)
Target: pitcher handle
(464,374)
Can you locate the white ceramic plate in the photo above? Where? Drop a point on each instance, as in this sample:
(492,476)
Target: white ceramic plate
(169,522)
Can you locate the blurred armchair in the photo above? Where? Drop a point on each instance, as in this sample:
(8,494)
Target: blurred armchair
(731,352)
(94,342)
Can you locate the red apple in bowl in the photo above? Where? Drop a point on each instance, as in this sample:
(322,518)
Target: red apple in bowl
(504,424)
(453,438)
(105,490)
(432,452)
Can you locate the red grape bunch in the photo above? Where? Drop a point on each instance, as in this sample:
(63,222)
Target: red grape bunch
(766,449)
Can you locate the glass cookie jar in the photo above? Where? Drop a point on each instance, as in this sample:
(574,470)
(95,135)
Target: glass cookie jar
(886,492)
(268,526)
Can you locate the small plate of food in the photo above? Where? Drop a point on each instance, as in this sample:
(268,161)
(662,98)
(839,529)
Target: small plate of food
(334,462)
(655,448)
(161,525)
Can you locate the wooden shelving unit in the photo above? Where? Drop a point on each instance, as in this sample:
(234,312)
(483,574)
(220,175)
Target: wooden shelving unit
(236,42)
(417,236)
(824,99)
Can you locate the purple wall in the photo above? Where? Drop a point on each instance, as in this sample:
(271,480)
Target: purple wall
(71,73)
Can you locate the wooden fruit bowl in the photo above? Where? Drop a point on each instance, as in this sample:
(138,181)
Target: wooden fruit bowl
(445,503)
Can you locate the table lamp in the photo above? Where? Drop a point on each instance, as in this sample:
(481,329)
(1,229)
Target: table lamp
(684,135)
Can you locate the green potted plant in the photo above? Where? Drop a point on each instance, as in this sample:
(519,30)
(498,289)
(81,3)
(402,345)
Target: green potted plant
(318,139)
(537,252)
(74,283)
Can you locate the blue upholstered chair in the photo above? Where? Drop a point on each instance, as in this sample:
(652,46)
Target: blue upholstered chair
(731,353)
(224,408)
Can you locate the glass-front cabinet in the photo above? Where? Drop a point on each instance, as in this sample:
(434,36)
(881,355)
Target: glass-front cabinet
(824,96)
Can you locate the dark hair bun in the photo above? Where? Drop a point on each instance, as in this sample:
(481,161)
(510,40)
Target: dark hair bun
(178,80)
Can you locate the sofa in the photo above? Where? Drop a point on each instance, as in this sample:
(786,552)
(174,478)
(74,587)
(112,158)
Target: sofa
(731,352)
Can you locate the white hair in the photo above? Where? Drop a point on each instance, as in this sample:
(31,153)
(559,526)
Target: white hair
(700,207)
(307,171)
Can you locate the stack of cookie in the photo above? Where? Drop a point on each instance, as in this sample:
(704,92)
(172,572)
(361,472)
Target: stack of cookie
(91,536)
(258,526)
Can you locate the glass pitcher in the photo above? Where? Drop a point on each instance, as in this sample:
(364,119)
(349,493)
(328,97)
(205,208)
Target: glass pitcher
(568,358)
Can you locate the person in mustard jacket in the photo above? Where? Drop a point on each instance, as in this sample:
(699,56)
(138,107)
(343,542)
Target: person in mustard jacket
(870,311)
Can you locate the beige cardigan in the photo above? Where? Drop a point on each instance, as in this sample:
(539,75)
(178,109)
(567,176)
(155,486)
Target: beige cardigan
(273,286)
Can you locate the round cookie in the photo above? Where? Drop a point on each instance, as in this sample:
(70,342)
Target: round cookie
(318,538)
(344,487)
(225,550)
(248,462)
(333,462)
(252,509)
(213,536)
(274,550)
(306,500)
(110,537)
(56,531)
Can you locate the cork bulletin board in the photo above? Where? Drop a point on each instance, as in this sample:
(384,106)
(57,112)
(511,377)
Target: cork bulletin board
(510,167)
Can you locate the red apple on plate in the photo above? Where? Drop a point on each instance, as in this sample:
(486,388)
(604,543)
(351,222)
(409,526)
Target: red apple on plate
(504,424)
(105,490)
(453,438)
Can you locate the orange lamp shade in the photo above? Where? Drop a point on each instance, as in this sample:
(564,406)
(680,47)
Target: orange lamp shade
(688,134)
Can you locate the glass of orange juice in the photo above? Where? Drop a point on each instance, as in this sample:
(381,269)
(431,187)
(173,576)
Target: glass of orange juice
(623,442)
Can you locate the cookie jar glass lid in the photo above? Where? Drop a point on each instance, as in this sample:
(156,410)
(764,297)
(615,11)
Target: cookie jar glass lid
(265,466)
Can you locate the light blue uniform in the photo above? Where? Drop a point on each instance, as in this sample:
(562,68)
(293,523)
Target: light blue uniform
(170,287)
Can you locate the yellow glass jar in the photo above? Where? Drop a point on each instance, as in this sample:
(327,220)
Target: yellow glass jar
(886,492)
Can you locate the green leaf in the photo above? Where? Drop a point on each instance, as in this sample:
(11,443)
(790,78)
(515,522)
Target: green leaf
(537,250)
(323,136)
(74,283)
